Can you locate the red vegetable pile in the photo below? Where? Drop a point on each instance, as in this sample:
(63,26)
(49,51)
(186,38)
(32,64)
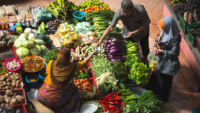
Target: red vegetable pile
(114,50)
(112,103)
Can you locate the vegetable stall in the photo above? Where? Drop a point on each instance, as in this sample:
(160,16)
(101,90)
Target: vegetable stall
(106,81)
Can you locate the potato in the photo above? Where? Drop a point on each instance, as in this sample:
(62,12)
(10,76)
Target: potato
(12,78)
(17,77)
(18,85)
(6,87)
(17,74)
(14,73)
(4,83)
(18,82)
(9,93)
(1,99)
(7,75)
(2,78)
(3,104)
(10,73)
(7,105)
(8,84)
(20,98)
(7,99)
(16,88)
(13,102)
(13,84)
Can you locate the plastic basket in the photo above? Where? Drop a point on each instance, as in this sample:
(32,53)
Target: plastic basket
(22,83)
(198,43)
(182,22)
(11,48)
(32,76)
(42,72)
(79,12)
(11,59)
(191,37)
(18,92)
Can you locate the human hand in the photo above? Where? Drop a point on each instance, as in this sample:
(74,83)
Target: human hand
(160,50)
(155,51)
(95,52)
(130,34)
(99,43)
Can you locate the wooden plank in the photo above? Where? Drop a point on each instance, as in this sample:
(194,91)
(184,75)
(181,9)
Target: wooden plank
(41,108)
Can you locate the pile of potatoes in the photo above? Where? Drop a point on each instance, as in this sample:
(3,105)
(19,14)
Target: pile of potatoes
(10,99)
(10,80)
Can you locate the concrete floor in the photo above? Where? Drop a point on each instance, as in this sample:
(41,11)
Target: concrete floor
(181,99)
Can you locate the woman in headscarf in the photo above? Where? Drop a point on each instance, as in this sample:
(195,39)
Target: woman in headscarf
(57,91)
(167,47)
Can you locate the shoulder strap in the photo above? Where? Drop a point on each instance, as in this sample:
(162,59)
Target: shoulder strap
(159,37)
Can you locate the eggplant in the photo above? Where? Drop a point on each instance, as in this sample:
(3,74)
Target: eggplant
(115,47)
(116,51)
(114,44)
(117,54)
(110,62)
(105,45)
(116,57)
(118,41)
(109,46)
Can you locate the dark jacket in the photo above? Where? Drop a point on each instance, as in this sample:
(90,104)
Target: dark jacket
(171,50)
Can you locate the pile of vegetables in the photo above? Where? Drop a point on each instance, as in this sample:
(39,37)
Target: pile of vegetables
(114,50)
(88,95)
(53,25)
(46,39)
(3,70)
(106,83)
(10,80)
(42,28)
(27,44)
(51,55)
(127,96)
(62,9)
(32,63)
(100,25)
(14,64)
(131,48)
(82,74)
(91,5)
(7,54)
(10,99)
(87,50)
(112,103)
(145,103)
(101,65)
(84,85)
(5,38)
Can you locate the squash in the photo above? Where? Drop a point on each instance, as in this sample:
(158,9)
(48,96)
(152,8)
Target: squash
(190,18)
(185,17)
(195,16)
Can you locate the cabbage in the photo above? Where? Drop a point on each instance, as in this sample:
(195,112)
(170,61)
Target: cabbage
(18,43)
(44,49)
(38,41)
(31,36)
(22,52)
(23,36)
(28,30)
(27,44)
(36,50)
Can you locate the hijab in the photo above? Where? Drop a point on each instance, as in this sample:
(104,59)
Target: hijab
(62,70)
(170,29)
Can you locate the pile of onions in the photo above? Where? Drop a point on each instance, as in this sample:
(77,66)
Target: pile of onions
(13,65)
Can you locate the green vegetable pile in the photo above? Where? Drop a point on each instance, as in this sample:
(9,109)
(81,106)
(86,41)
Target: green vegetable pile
(82,75)
(46,39)
(131,48)
(101,65)
(51,55)
(62,9)
(120,71)
(127,96)
(107,88)
(146,103)
(42,28)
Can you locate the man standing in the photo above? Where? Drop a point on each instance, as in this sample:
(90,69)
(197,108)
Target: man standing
(135,20)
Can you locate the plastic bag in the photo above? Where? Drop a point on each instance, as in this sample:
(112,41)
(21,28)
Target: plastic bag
(2,12)
(10,10)
(153,61)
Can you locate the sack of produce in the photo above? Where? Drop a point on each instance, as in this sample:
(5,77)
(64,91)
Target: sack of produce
(36,50)
(27,44)
(22,52)
(2,12)
(153,61)
(23,36)
(38,41)
(18,43)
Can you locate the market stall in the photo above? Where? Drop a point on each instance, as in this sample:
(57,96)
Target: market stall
(186,15)
(33,37)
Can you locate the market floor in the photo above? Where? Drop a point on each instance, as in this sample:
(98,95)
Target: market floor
(181,99)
